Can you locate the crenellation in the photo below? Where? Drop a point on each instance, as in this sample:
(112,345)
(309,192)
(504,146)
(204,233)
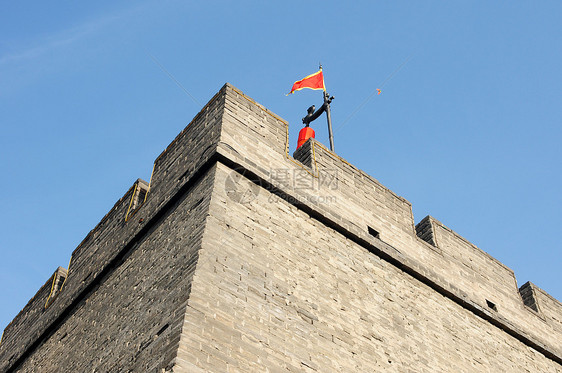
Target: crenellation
(470,279)
(364,201)
(455,263)
(424,230)
(241,257)
(33,320)
(342,323)
(112,235)
(59,278)
(528,296)
(547,306)
(151,305)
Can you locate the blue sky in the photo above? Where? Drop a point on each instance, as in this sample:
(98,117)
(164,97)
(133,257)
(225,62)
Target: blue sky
(468,130)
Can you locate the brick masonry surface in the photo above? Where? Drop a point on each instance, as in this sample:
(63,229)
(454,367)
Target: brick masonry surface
(244,258)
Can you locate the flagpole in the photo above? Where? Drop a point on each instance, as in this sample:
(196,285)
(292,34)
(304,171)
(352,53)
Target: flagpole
(312,82)
(327,100)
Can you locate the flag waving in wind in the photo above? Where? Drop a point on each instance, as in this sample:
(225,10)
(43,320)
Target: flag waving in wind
(313,81)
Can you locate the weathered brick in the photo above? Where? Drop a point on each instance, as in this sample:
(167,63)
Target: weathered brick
(219,272)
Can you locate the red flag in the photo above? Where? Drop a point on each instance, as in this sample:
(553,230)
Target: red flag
(313,81)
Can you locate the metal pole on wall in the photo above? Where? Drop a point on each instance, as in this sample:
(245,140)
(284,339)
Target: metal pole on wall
(327,101)
(312,114)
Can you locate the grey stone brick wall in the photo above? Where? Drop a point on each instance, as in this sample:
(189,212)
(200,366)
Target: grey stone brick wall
(244,258)
(454,266)
(106,246)
(276,290)
(132,320)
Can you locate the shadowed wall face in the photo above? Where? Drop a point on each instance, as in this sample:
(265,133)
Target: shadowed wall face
(131,322)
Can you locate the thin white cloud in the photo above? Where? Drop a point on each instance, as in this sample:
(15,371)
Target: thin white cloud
(40,48)
(46,43)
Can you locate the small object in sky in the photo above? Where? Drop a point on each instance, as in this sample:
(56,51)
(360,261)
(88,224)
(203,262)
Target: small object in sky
(377,91)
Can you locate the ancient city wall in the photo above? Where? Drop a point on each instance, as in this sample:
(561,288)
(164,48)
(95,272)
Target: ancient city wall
(276,290)
(440,254)
(298,254)
(358,202)
(116,236)
(131,322)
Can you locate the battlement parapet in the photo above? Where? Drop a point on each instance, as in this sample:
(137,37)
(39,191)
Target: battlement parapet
(116,235)
(319,180)
(87,261)
(252,141)
(430,248)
